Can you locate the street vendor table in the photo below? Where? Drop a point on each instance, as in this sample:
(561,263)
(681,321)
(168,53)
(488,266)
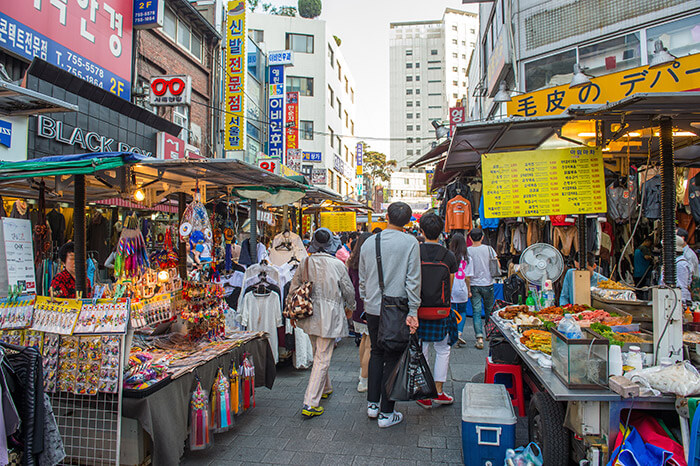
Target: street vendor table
(610,401)
(164,414)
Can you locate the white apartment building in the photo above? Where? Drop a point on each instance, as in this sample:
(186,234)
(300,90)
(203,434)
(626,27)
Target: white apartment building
(409,186)
(326,94)
(428,74)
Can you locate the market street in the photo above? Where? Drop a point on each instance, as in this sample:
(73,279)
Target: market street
(276,433)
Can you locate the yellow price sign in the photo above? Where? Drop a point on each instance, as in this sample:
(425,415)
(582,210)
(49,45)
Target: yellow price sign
(543,182)
(339,221)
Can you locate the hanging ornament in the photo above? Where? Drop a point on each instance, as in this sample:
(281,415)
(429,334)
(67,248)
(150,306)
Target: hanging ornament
(199,419)
(221,417)
(235,389)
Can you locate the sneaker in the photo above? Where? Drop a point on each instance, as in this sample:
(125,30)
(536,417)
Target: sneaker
(390,419)
(372,410)
(443,399)
(427,404)
(479,343)
(327,394)
(362,385)
(310,411)
(461,341)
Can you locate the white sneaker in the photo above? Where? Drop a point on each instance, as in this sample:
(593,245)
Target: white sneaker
(391,419)
(362,385)
(372,410)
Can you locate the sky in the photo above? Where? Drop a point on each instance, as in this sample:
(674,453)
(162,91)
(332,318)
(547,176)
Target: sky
(363,27)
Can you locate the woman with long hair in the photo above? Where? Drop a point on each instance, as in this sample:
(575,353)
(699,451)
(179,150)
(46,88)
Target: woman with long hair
(358,318)
(460,288)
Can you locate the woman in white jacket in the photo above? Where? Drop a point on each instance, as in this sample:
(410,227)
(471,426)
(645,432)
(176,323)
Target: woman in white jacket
(333,298)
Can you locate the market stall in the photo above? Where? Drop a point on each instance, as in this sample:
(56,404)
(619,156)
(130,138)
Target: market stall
(571,364)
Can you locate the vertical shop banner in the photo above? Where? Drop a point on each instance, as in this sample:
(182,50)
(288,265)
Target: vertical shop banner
(235,75)
(543,182)
(360,154)
(457,116)
(90,39)
(429,175)
(292,123)
(276,117)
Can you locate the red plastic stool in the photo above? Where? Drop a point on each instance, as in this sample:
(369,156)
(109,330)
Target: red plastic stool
(515,389)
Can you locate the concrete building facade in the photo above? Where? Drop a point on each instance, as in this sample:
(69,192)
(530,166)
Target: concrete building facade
(408,186)
(327,110)
(428,74)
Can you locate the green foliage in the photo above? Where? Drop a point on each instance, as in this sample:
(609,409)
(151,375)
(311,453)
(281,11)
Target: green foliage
(337,40)
(271,9)
(376,165)
(309,8)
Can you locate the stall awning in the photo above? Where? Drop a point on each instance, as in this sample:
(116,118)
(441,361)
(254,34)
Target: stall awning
(16,100)
(432,156)
(76,164)
(471,140)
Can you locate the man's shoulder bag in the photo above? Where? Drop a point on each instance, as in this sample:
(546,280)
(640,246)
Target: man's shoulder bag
(393,332)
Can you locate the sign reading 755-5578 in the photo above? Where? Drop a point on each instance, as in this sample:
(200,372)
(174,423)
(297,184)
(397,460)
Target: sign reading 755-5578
(89,38)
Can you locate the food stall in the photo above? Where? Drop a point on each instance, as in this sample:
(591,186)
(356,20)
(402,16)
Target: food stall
(576,409)
(147,345)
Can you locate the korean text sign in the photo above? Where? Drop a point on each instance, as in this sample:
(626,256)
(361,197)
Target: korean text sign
(681,75)
(276,116)
(360,153)
(543,182)
(148,14)
(235,43)
(88,38)
(339,221)
(292,120)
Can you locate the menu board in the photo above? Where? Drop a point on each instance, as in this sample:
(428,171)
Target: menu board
(16,255)
(543,182)
(339,221)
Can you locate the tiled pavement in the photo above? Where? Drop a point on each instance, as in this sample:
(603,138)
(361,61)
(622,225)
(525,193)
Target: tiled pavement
(274,432)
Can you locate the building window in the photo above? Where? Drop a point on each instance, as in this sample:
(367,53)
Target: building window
(258,35)
(352,127)
(417,78)
(472,31)
(464,84)
(434,52)
(455,68)
(454,41)
(340,187)
(409,65)
(612,55)
(331,56)
(454,55)
(409,152)
(409,52)
(306,129)
(340,71)
(409,115)
(347,120)
(464,56)
(417,91)
(352,95)
(409,91)
(340,108)
(472,44)
(417,65)
(409,104)
(464,43)
(549,70)
(417,115)
(304,86)
(455,83)
(409,127)
(454,96)
(170,23)
(409,78)
(181,118)
(331,133)
(417,127)
(454,28)
(337,139)
(331,96)
(181,32)
(679,37)
(417,103)
(302,43)
(347,86)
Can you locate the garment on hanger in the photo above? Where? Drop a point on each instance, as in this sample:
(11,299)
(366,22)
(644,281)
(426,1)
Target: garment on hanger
(262,313)
(693,191)
(534,230)
(98,237)
(459,214)
(622,197)
(458,187)
(3,213)
(58,227)
(562,220)
(652,198)
(245,258)
(563,238)
(285,246)
(20,209)
(518,239)
(486,223)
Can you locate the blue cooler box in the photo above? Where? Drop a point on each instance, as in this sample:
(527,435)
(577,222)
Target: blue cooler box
(488,424)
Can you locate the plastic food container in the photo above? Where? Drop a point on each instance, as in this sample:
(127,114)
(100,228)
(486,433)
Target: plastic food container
(488,424)
(580,363)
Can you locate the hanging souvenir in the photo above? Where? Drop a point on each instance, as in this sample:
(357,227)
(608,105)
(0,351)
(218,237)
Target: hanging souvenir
(131,258)
(235,389)
(196,228)
(221,418)
(248,380)
(199,419)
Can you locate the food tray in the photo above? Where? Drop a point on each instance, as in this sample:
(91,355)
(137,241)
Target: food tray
(522,328)
(614,295)
(645,347)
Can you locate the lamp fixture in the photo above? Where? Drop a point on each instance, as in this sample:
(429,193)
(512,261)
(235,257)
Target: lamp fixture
(440,130)
(661,55)
(579,79)
(139,195)
(503,95)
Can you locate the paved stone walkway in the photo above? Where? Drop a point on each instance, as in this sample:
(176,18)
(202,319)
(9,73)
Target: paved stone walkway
(274,432)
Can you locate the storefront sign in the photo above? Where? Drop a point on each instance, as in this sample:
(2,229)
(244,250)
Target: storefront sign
(280,57)
(170,90)
(359,189)
(235,44)
(498,59)
(458,115)
(88,38)
(276,117)
(287,171)
(343,168)
(294,159)
(148,14)
(359,154)
(543,182)
(339,221)
(681,75)
(318,176)
(270,164)
(292,120)
(312,156)
(49,128)
(429,175)
(169,147)
(17,253)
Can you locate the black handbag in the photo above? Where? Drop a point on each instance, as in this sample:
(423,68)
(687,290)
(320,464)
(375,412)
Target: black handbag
(393,334)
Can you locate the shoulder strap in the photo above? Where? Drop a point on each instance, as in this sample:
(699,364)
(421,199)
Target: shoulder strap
(444,254)
(380,271)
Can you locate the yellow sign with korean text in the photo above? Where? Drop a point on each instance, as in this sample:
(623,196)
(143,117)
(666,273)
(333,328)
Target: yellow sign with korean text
(681,75)
(543,182)
(339,221)
(234,77)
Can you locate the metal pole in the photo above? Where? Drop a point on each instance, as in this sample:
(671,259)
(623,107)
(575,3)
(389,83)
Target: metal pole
(300,227)
(668,202)
(181,247)
(253,231)
(79,235)
(582,242)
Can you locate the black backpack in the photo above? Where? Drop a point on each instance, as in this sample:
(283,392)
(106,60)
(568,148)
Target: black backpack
(435,282)
(514,287)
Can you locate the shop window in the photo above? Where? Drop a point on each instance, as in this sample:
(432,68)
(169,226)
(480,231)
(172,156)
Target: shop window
(549,71)
(183,35)
(302,43)
(170,23)
(303,85)
(181,118)
(612,55)
(306,130)
(258,35)
(679,37)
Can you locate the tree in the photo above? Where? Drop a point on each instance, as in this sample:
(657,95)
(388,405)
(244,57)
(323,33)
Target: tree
(309,8)
(375,165)
(271,9)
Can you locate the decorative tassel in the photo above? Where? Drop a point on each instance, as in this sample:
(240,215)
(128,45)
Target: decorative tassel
(221,419)
(249,374)
(228,258)
(199,419)
(235,387)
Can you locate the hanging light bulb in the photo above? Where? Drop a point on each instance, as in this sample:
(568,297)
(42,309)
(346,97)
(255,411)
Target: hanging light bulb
(139,195)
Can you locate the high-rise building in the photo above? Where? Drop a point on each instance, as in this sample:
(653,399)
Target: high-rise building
(428,75)
(326,95)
